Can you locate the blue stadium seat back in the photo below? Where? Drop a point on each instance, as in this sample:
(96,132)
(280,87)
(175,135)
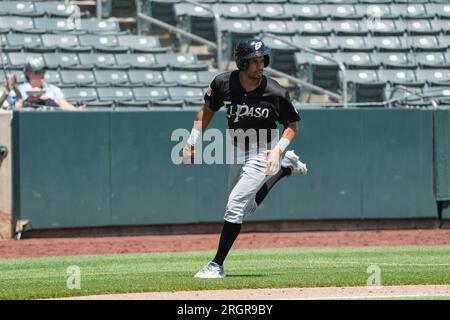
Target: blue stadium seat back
(57,9)
(347,27)
(181,78)
(425,43)
(319,43)
(98,41)
(24,40)
(139,60)
(305,58)
(83,94)
(307,27)
(351,43)
(16,23)
(392,60)
(16,8)
(115,94)
(139,42)
(340,11)
(97,59)
(53,77)
(146,77)
(441,10)
(355,60)
(151,93)
(61,60)
(434,77)
(400,77)
(305,11)
(388,27)
(173,59)
(52,25)
(234,11)
(269,11)
(60,40)
(410,10)
(187,9)
(420,27)
(77,77)
(99,25)
(186,93)
(390,43)
(272,26)
(111,77)
(20,59)
(433,59)
(375,11)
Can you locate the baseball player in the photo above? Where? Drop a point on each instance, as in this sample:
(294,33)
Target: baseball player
(253,101)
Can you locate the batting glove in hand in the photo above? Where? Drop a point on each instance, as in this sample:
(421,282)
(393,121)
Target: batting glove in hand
(188,154)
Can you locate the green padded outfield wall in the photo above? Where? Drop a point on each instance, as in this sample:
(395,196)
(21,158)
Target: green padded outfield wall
(79,169)
(442,154)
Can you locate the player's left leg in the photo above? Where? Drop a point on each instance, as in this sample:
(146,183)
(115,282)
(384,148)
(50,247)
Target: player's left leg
(289,164)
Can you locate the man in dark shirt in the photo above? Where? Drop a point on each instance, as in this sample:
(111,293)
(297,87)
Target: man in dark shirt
(254,103)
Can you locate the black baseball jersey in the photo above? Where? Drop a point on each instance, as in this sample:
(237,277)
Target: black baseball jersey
(257,109)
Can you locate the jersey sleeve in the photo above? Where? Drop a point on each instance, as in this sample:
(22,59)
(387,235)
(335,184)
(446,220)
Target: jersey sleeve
(213,96)
(287,112)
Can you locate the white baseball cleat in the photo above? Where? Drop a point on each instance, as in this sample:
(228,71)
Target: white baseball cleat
(291,160)
(211,271)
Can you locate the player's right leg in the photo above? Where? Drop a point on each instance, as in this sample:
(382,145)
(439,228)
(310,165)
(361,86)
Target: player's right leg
(290,164)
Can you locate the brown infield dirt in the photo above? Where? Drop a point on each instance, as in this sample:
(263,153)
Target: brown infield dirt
(173,243)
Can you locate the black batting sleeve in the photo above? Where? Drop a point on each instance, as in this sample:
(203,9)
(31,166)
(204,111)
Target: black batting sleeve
(213,96)
(287,112)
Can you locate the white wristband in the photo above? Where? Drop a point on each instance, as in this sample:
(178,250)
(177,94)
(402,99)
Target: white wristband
(193,138)
(283,144)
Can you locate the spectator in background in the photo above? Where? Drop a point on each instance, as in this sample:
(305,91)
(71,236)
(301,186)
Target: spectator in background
(38,93)
(9,93)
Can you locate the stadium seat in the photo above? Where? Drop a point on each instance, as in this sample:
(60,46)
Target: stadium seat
(57,9)
(60,60)
(403,77)
(317,70)
(319,43)
(163,9)
(235,31)
(308,27)
(99,26)
(23,40)
(355,60)
(180,78)
(406,98)
(347,27)
(111,77)
(234,11)
(20,59)
(348,43)
(434,77)
(98,41)
(180,61)
(375,11)
(340,11)
(191,96)
(419,27)
(151,93)
(77,77)
(270,11)
(138,43)
(91,60)
(410,10)
(52,25)
(196,20)
(425,43)
(274,26)
(305,11)
(145,77)
(115,94)
(363,86)
(53,77)
(206,77)
(139,61)
(17,8)
(389,43)
(282,54)
(441,10)
(60,40)
(394,60)
(80,95)
(383,27)
(17,24)
(432,60)
(440,94)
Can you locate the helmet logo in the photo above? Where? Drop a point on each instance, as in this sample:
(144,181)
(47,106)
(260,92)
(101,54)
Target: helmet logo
(258,45)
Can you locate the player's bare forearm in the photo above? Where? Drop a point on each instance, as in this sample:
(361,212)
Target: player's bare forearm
(203,118)
(290,130)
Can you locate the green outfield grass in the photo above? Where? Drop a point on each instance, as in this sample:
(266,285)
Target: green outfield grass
(261,268)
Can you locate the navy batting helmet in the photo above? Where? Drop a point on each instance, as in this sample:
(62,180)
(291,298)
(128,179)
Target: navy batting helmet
(249,49)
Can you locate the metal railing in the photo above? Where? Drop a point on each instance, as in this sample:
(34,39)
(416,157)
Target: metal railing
(217,46)
(405,89)
(344,97)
